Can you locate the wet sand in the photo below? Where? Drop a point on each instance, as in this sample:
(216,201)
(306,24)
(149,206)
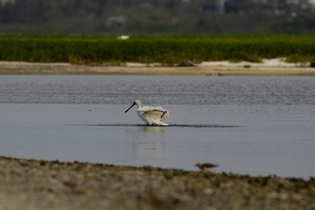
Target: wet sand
(274,67)
(35,184)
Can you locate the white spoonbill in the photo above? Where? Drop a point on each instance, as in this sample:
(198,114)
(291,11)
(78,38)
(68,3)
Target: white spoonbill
(150,115)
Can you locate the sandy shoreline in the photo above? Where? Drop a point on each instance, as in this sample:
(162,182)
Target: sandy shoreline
(273,67)
(35,184)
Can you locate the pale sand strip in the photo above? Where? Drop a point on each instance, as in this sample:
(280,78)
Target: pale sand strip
(32,185)
(268,67)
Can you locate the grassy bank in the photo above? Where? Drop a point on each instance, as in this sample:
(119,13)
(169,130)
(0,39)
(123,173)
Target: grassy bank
(163,49)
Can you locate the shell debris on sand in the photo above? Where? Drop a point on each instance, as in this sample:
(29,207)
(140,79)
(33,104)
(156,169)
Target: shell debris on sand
(36,184)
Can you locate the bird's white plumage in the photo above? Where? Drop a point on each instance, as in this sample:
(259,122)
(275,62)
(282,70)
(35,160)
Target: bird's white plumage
(150,115)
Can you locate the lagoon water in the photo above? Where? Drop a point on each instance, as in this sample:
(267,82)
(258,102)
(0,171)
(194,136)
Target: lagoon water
(247,125)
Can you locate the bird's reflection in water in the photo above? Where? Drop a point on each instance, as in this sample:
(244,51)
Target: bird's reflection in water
(150,146)
(152,129)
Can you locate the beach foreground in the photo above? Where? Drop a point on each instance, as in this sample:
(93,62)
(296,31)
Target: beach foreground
(271,67)
(35,184)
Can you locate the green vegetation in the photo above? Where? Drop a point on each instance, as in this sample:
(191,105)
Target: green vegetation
(164,49)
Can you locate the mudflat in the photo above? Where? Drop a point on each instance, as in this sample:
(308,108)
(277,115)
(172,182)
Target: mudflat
(37,184)
(273,67)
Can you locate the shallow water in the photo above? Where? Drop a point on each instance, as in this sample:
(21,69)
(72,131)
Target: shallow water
(247,125)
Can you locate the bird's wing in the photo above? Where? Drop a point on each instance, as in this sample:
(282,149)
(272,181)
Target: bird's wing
(155,112)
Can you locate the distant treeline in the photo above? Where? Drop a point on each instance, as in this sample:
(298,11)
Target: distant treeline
(168,50)
(112,17)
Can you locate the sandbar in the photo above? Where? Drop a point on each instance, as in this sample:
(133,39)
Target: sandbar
(268,67)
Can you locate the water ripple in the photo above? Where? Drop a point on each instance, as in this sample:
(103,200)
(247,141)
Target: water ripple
(171,125)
